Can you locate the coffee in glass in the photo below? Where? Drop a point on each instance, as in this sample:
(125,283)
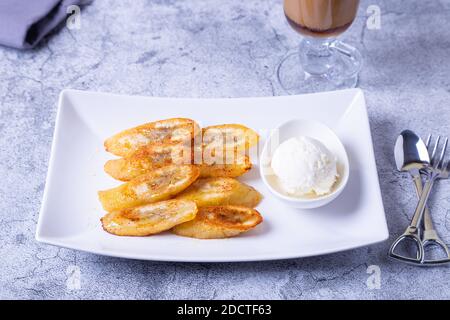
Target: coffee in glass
(323,62)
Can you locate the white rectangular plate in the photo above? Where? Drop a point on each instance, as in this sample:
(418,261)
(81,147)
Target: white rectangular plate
(71,211)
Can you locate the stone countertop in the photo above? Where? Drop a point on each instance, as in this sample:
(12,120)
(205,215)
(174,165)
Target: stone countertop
(216,49)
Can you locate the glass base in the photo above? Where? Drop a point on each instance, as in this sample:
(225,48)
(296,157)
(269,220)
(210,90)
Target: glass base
(320,66)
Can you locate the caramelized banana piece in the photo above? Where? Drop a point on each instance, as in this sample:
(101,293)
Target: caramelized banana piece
(155,156)
(229,137)
(150,218)
(159,184)
(232,170)
(221,191)
(148,158)
(219,222)
(170,131)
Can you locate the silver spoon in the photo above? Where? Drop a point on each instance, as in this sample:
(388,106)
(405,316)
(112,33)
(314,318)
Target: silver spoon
(411,155)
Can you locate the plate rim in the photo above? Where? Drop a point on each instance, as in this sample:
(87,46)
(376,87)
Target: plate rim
(195,259)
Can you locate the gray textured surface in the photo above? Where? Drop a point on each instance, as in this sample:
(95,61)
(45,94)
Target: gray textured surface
(216,49)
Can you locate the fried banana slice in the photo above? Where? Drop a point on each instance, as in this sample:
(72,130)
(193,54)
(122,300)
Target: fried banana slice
(156,156)
(149,219)
(228,137)
(170,131)
(221,191)
(232,170)
(219,222)
(148,158)
(159,184)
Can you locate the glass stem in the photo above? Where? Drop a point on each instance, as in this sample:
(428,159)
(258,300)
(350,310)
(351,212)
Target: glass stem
(316,55)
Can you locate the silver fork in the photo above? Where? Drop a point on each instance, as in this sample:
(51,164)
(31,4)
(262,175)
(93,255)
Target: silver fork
(430,236)
(438,169)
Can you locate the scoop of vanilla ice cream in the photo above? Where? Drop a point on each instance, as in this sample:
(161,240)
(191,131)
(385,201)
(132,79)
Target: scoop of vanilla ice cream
(304,166)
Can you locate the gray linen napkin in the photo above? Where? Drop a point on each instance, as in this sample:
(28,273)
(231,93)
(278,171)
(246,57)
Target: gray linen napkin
(23,23)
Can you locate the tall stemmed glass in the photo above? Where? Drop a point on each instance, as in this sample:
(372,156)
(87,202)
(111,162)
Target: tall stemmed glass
(322,63)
